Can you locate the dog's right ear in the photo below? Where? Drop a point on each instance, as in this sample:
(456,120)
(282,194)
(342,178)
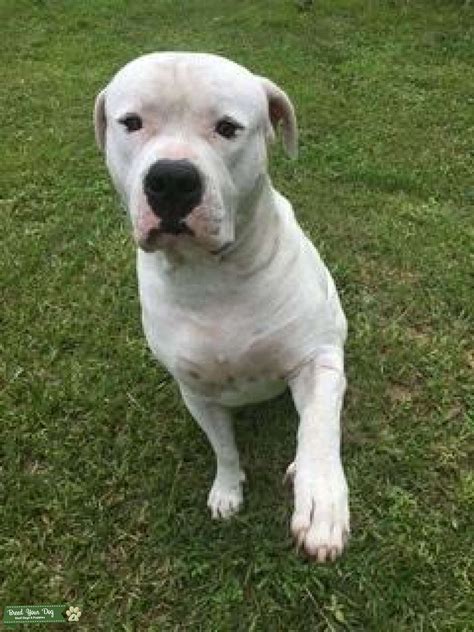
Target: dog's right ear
(100,121)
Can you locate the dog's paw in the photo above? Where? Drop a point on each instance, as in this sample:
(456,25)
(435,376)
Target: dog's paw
(290,473)
(226,496)
(320,522)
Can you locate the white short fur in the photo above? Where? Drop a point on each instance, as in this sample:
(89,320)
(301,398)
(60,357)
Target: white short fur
(244,307)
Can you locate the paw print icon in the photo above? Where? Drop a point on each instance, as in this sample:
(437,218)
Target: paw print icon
(73,613)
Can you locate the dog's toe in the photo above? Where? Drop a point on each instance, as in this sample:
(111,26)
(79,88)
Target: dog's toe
(290,473)
(225,499)
(320,523)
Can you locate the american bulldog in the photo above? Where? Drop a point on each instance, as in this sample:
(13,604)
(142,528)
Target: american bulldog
(236,301)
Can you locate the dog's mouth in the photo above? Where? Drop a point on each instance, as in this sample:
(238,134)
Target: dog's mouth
(201,229)
(170,237)
(223,249)
(175,227)
(165,236)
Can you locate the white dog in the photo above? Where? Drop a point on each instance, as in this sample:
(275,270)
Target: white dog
(236,301)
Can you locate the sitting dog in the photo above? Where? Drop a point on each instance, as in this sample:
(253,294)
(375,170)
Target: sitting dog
(236,301)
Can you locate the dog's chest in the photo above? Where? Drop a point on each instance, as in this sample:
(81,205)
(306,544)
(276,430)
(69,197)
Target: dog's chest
(224,362)
(220,352)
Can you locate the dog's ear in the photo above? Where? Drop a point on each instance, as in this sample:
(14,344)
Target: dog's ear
(100,121)
(280,109)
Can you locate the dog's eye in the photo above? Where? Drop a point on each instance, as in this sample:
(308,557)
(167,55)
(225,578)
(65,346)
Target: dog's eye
(132,122)
(227,128)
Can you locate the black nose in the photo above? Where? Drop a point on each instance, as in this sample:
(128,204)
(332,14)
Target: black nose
(173,188)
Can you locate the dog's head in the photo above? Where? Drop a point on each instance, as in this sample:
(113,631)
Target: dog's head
(185,138)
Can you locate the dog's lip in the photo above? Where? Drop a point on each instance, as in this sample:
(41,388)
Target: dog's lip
(223,249)
(175,228)
(150,244)
(157,238)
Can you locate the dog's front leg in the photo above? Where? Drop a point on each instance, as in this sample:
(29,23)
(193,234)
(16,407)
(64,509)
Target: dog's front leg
(225,497)
(320,521)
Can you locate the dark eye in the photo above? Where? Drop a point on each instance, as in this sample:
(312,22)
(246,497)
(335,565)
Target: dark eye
(132,122)
(227,128)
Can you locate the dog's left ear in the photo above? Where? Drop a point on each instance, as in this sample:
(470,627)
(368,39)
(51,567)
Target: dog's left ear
(100,121)
(280,109)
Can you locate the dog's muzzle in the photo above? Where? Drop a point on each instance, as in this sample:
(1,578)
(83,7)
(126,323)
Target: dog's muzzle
(173,188)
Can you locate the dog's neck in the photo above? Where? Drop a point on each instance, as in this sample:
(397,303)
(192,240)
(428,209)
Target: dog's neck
(255,225)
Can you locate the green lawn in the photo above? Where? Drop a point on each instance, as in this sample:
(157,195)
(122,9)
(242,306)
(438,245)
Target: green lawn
(104,476)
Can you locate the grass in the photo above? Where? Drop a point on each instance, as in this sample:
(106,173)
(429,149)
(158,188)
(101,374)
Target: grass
(104,475)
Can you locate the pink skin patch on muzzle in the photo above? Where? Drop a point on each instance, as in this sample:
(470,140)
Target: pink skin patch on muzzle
(147,227)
